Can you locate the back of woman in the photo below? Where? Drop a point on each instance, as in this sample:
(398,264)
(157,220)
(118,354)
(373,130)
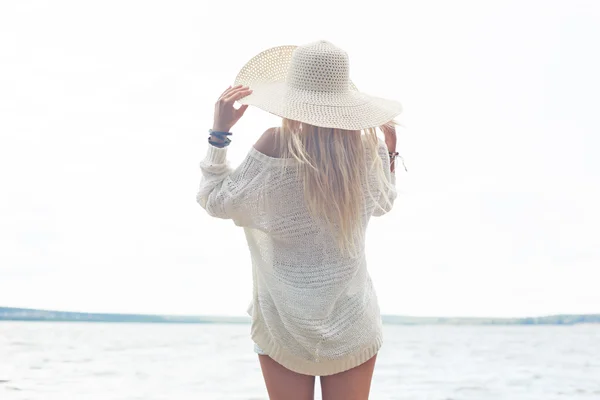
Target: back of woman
(305,194)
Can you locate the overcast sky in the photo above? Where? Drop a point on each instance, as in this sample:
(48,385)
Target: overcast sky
(104,111)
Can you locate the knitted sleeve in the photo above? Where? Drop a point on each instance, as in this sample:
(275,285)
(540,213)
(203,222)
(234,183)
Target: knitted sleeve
(383,206)
(227,193)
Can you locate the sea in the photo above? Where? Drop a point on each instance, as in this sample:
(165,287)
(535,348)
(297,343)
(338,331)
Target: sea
(122,361)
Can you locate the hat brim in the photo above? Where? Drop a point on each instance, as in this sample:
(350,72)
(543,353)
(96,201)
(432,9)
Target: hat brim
(266,75)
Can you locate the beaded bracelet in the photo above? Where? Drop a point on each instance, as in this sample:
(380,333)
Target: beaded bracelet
(220,145)
(222,136)
(219,133)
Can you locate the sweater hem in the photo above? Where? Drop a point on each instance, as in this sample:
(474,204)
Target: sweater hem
(313,368)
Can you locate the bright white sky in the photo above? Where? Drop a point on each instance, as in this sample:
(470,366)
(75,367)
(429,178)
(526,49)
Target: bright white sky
(104,111)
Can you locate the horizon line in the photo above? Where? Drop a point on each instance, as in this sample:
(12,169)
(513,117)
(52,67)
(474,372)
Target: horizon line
(247,316)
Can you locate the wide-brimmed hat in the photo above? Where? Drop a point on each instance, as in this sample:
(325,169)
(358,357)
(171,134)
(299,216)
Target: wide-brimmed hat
(311,84)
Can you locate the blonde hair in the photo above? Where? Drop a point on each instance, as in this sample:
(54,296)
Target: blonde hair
(333,169)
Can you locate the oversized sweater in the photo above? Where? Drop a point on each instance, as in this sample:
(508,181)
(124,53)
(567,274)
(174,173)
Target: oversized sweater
(313,310)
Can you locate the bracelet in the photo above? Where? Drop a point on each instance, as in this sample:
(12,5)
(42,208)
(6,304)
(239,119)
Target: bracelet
(219,133)
(222,136)
(393,155)
(220,145)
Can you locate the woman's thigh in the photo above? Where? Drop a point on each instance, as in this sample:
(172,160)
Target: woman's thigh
(283,384)
(353,384)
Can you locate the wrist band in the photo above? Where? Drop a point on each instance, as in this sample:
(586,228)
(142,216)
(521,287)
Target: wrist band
(222,136)
(220,145)
(393,155)
(219,133)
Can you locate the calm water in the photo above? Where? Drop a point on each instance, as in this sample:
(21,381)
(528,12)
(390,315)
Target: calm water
(47,361)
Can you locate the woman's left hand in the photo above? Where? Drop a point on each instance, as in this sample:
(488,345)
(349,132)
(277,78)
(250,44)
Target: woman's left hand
(226,115)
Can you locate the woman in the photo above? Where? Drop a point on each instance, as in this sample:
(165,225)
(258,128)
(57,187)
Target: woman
(304,195)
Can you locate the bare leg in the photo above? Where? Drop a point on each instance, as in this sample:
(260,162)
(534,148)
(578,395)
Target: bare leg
(353,384)
(283,384)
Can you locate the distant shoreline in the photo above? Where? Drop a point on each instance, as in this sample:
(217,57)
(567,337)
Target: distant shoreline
(27,314)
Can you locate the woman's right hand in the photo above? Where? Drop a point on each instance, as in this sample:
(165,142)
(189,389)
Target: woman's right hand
(389,133)
(226,115)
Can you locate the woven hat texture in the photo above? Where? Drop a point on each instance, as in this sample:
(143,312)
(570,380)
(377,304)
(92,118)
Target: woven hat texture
(311,84)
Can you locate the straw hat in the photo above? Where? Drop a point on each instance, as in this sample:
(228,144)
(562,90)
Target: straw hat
(311,84)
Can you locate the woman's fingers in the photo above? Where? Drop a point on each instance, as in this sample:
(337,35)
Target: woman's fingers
(226,90)
(230,90)
(235,90)
(237,94)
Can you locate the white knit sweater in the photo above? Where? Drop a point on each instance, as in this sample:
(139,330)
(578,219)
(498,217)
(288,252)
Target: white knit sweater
(313,310)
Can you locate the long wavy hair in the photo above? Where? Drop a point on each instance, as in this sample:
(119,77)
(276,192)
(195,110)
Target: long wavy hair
(333,169)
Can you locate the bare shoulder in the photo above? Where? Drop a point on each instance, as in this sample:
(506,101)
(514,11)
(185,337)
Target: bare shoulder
(267,143)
